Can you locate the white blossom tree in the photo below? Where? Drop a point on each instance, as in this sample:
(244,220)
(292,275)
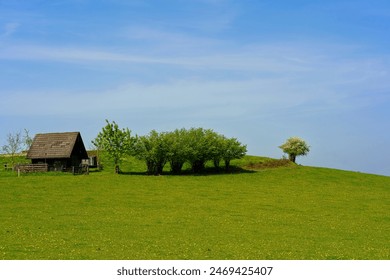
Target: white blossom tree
(295,146)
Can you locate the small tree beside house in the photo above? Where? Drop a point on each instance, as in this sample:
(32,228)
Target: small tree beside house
(115,142)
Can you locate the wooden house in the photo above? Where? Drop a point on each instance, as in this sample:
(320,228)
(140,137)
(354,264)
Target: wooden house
(60,151)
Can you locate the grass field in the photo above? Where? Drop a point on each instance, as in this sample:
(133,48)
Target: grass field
(290,212)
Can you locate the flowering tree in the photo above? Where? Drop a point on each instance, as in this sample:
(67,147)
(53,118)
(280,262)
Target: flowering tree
(294,147)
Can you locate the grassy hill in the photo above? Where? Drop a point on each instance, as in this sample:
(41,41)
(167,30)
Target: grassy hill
(265,209)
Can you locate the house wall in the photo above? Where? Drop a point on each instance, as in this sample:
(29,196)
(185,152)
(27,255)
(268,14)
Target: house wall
(55,164)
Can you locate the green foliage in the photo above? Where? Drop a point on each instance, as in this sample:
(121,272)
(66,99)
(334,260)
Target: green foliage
(232,149)
(294,147)
(178,149)
(196,146)
(115,142)
(154,149)
(202,147)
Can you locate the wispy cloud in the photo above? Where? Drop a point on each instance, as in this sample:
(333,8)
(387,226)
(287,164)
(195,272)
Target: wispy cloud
(228,98)
(276,75)
(163,41)
(68,55)
(271,58)
(9,28)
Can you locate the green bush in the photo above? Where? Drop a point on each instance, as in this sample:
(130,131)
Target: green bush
(196,146)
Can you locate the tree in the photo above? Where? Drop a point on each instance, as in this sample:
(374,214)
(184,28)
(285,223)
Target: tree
(232,149)
(295,146)
(178,149)
(154,149)
(218,149)
(13,146)
(202,147)
(27,140)
(115,142)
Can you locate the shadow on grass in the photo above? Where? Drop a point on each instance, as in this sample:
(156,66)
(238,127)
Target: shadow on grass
(208,171)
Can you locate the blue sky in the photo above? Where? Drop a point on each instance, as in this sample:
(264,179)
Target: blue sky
(258,70)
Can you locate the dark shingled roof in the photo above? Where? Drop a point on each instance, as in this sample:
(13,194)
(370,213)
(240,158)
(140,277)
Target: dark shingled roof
(53,145)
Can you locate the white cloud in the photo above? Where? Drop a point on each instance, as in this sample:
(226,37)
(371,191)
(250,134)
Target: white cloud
(265,76)
(227,98)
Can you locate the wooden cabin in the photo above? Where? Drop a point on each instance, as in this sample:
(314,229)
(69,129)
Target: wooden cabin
(60,151)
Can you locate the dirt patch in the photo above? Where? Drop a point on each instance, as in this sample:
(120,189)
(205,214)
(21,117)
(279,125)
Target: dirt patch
(274,163)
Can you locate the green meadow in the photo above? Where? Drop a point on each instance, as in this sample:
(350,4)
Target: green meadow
(259,211)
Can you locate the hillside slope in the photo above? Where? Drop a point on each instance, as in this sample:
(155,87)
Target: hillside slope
(292,212)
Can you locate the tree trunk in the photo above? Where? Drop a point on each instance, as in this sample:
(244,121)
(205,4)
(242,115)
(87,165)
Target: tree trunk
(198,166)
(227,165)
(216,162)
(176,166)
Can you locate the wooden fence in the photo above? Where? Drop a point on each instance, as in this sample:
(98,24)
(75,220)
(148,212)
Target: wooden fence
(37,167)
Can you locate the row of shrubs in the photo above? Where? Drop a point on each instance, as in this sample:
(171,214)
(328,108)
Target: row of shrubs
(195,146)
